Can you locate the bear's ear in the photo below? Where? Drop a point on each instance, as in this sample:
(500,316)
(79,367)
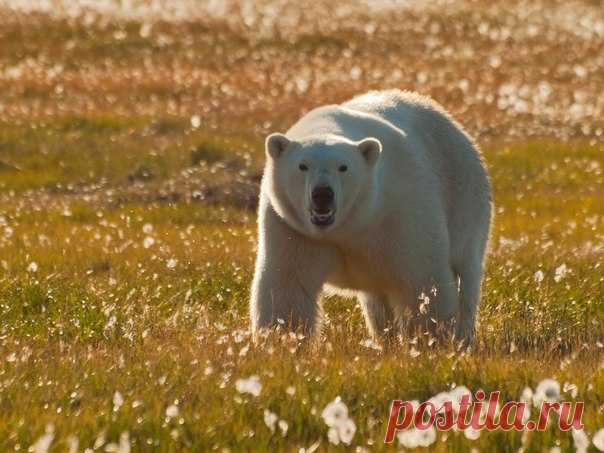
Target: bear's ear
(370,148)
(276,144)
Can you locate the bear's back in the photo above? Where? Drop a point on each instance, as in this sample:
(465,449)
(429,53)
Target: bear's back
(451,150)
(452,154)
(420,130)
(411,112)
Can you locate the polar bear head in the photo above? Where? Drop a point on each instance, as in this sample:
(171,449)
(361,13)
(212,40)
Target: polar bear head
(318,183)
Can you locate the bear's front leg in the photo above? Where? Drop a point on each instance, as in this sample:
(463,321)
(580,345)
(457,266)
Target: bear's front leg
(290,272)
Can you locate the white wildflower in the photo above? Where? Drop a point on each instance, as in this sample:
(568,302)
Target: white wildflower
(371,344)
(195,121)
(408,438)
(145,30)
(333,436)
(110,323)
(526,396)
(73,443)
(171,263)
(118,400)
(571,388)
(439,400)
(148,242)
(547,390)
(42,445)
(283,426)
(413,438)
(346,430)
(172,411)
(471,433)
(560,273)
(33,267)
(456,396)
(334,412)
(122,447)
(124,442)
(539,276)
(427,437)
(147,228)
(580,440)
(341,427)
(250,385)
(99,441)
(270,419)
(598,439)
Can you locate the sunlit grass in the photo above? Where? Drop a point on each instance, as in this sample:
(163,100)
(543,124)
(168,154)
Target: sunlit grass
(130,157)
(150,300)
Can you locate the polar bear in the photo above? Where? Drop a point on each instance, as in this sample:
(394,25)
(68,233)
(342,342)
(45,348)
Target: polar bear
(384,197)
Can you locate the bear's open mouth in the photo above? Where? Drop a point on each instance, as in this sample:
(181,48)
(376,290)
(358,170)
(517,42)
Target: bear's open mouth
(322,219)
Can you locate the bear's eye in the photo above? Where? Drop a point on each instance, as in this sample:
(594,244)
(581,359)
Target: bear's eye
(343,168)
(303,167)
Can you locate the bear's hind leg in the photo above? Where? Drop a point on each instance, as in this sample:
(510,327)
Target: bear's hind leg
(378,315)
(470,277)
(429,306)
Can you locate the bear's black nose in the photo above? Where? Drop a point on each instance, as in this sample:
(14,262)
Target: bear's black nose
(322,198)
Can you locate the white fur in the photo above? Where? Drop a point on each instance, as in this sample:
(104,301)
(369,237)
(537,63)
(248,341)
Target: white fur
(412,215)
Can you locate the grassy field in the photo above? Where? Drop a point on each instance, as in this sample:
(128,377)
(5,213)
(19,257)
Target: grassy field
(130,158)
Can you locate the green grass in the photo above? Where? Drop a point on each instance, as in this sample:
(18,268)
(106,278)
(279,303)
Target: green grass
(76,151)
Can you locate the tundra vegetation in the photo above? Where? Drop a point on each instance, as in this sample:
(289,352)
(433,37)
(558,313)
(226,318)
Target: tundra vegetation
(131,147)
